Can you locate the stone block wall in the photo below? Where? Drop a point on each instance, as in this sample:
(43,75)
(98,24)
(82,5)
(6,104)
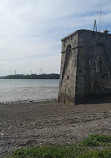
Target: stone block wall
(85,66)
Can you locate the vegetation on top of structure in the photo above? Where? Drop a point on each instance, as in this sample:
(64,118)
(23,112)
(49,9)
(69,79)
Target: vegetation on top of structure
(32,76)
(95,146)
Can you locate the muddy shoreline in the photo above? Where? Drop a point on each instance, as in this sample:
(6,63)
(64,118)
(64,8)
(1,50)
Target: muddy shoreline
(33,124)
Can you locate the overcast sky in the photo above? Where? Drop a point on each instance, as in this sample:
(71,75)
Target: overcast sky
(31,31)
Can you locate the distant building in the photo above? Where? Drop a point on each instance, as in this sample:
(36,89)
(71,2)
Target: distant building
(85,66)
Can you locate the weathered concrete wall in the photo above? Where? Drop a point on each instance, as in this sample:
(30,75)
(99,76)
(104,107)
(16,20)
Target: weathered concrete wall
(68,69)
(86,68)
(94,65)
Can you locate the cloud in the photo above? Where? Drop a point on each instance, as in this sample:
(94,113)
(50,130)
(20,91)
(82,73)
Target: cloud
(31,31)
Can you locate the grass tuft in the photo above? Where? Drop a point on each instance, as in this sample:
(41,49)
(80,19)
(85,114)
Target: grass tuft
(95,146)
(97,154)
(97,140)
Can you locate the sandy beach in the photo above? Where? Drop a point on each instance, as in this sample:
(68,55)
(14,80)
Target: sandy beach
(32,124)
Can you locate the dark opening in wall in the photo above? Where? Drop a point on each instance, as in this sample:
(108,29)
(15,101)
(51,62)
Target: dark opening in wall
(104,76)
(80,71)
(67,59)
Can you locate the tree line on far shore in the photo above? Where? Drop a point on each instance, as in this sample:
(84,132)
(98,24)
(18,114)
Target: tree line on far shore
(32,76)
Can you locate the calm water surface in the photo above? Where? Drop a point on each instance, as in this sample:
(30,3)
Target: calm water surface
(25,90)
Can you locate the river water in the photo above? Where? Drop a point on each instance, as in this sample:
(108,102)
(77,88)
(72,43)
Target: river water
(27,90)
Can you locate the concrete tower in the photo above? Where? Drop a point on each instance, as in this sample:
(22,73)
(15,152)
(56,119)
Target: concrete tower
(85,66)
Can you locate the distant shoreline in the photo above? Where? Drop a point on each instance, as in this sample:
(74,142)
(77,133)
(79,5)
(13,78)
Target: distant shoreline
(32,76)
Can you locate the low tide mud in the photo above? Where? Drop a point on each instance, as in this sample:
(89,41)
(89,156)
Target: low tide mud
(32,124)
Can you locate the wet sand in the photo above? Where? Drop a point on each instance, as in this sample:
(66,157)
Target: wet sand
(32,124)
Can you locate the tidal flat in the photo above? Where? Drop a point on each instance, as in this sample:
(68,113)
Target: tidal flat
(33,124)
